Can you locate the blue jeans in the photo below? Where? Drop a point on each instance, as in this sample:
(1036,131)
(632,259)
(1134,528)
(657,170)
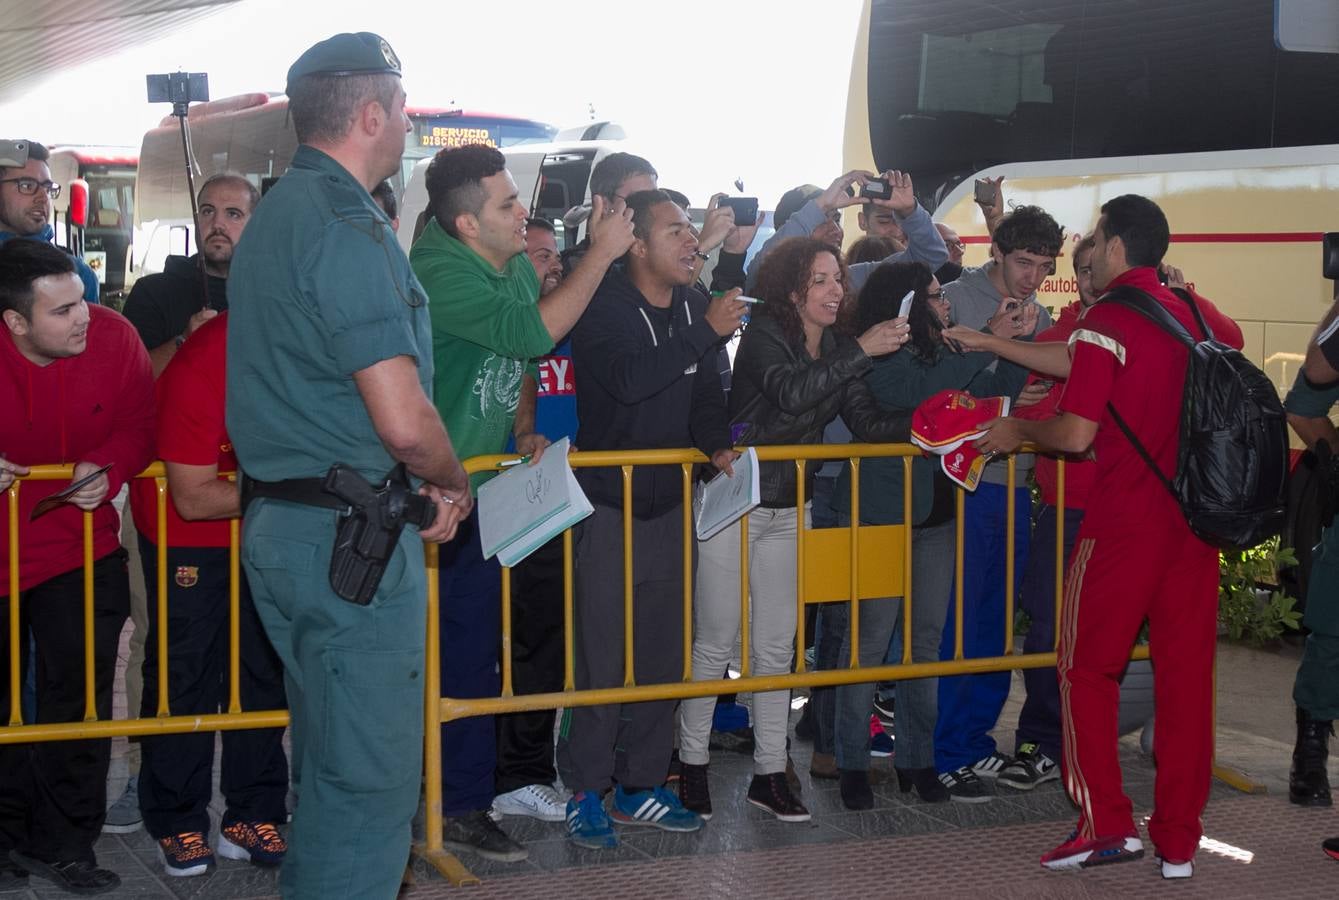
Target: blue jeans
(969,705)
(914,724)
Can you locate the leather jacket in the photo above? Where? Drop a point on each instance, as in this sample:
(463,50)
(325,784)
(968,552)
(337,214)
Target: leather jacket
(782,395)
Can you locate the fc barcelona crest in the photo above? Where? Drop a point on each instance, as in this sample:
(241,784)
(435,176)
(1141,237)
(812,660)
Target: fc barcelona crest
(188,576)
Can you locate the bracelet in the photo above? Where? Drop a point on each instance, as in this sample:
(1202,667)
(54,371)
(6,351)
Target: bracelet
(702,256)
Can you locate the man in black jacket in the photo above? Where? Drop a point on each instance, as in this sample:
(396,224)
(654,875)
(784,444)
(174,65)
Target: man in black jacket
(168,306)
(645,348)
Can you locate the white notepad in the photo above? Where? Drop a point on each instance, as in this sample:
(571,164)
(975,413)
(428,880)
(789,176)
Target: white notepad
(526,506)
(726,499)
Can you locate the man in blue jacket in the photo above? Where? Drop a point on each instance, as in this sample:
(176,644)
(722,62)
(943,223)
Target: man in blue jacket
(26,193)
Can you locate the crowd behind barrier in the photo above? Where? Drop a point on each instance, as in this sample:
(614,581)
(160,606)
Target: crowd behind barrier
(829,566)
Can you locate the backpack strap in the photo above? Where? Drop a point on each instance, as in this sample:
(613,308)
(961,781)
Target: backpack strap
(1143,303)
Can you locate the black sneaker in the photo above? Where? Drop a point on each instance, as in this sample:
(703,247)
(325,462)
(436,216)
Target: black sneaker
(771,793)
(694,792)
(885,706)
(76,877)
(476,833)
(855,790)
(989,767)
(1028,769)
(964,786)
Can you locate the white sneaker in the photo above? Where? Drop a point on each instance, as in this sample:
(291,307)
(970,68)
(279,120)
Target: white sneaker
(538,801)
(1177,870)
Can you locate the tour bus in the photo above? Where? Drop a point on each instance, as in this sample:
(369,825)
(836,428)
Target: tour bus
(251,134)
(1192,103)
(92,215)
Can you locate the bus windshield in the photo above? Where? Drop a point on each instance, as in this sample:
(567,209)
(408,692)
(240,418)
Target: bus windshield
(955,88)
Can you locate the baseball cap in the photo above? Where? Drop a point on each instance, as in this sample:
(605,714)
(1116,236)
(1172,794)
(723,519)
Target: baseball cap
(948,423)
(792,201)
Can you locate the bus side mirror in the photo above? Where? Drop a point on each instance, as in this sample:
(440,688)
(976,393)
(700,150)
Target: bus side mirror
(78,216)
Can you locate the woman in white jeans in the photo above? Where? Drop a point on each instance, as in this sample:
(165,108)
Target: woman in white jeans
(795,370)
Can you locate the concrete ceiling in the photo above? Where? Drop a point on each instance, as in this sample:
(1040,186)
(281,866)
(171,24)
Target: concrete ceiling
(38,37)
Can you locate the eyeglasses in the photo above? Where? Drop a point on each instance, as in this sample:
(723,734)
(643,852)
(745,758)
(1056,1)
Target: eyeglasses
(937,297)
(29,186)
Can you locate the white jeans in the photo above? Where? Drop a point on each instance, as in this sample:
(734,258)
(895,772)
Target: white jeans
(716,615)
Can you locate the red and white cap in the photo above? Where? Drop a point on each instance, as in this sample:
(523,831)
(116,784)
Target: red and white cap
(948,423)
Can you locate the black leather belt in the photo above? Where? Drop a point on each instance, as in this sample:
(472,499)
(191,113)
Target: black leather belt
(306,491)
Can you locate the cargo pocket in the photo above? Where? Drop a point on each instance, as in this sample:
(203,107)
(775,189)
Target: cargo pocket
(372,718)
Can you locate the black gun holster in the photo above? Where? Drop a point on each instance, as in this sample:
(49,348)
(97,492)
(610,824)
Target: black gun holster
(369,525)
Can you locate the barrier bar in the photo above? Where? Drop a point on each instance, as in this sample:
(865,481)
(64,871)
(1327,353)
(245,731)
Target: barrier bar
(160,584)
(15,670)
(628,677)
(1010,546)
(854,603)
(234,616)
(906,567)
(800,468)
(90,624)
(688,585)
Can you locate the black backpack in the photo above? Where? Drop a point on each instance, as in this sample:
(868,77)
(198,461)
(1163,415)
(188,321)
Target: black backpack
(1232,456)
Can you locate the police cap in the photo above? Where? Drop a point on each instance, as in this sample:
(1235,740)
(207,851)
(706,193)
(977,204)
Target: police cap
(363,53)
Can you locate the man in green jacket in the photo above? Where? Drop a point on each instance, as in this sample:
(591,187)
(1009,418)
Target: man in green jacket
(488,322)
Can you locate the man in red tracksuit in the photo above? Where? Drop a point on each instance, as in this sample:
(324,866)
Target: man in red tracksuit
(1136,557)
(75,388)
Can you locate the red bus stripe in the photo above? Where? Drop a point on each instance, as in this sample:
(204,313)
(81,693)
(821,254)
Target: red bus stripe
(1224,237)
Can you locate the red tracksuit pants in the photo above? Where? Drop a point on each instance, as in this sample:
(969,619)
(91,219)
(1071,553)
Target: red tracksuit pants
(1163,573)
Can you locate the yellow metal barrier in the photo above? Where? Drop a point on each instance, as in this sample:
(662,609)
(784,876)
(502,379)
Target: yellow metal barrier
(828,565)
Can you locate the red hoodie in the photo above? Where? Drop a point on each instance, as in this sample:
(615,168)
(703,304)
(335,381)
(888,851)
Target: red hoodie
(95,407)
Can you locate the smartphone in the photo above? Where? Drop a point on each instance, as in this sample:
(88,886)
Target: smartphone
(985,192)
(178,87)
(906,305)
(1329,255)
(13,154)
(1162,275)
(876,189)
(746,209)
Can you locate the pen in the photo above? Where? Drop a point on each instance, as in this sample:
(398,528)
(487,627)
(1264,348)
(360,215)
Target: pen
(508,463)
(753,301)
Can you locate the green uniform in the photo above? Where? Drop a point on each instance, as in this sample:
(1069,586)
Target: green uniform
(1316,689)
(485,329)
(318,290)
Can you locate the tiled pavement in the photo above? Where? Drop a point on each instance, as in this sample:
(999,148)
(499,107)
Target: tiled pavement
(1263,847)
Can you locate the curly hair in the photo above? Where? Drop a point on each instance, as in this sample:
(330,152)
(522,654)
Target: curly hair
(1031,229)
(882,295)
(784,275)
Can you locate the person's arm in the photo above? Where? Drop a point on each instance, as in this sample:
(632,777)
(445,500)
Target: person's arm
(198,493)
(869,420)
(709,422)
(994,211)
(161,355)
(408,425)
(528,441)
(1308,403)
(1066,433)
(610,230)
(1046,357)
(903,381)
(808,217)
(604,343)
(924,242)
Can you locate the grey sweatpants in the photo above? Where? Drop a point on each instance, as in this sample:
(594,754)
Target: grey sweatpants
(629,742)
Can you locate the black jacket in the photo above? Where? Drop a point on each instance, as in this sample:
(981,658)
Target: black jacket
(648,380)
(782,395)
(160,305)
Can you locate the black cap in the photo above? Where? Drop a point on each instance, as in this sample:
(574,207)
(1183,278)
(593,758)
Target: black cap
(363,53)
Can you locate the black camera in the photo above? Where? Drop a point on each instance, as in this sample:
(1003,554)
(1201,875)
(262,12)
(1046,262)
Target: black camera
(876,189)
(178,87)
(746,209)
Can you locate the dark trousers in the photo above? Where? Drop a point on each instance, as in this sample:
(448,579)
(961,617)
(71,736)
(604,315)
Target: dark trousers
(1039,720)
(53,794)
(525,740)
(175,780)
(471,630)
(630,742)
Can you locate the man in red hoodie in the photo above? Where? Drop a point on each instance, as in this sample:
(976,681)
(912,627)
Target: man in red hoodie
(76,388)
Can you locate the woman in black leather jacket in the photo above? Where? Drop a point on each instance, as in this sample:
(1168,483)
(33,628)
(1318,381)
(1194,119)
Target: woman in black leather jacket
(795,370)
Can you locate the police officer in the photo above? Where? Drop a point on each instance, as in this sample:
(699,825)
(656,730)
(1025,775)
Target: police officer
(330,361)
(1316,689)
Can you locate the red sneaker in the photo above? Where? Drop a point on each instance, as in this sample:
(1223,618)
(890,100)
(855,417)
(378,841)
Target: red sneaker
(1078,853)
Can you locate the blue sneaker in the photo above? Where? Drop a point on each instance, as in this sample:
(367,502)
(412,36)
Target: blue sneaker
(659,808)
(588,824)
